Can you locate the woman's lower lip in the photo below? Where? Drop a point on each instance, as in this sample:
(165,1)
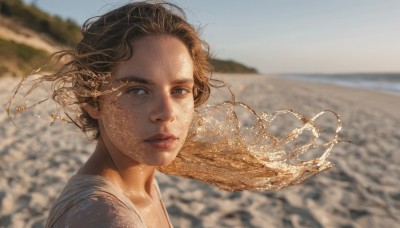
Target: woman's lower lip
(163,144)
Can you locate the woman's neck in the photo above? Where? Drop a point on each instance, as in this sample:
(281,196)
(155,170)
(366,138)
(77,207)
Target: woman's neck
(135,180)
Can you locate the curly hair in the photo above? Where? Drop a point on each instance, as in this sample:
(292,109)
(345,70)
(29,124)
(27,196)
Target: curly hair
(106,42)
(218,149)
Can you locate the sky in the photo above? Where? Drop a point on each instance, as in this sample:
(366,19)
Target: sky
(283,36)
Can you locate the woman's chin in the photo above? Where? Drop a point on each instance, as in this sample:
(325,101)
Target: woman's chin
(161,160)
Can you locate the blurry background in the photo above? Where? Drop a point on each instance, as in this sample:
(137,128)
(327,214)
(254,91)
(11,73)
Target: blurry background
(342,36)
(307,40)
(323,45)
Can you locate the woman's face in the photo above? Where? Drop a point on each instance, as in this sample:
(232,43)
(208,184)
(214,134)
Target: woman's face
(147,120)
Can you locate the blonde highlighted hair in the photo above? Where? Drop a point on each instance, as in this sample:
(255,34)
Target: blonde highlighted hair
(106,42)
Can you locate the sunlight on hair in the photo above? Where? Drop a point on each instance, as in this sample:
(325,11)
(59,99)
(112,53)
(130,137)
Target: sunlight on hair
(220,152)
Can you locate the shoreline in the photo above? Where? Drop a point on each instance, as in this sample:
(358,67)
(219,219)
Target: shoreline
(371,82)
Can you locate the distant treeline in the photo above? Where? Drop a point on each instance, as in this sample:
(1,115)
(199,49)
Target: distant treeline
(230,66)
(66,32)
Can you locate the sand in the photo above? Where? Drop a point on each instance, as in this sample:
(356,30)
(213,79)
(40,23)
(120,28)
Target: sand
(362,190)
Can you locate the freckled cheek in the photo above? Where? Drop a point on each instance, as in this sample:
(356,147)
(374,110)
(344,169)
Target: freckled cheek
(121,123)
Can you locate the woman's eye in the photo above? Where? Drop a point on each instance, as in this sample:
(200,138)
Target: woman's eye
(137,91)
(181,91)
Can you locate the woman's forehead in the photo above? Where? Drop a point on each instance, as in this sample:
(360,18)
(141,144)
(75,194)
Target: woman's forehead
(154,58)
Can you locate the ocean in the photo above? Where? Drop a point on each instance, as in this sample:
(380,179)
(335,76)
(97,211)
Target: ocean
(384,82)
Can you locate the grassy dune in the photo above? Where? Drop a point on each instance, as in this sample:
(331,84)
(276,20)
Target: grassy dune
(19,59)
(16,58)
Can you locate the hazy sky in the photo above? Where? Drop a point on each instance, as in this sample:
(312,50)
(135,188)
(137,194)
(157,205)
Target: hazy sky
(284,36)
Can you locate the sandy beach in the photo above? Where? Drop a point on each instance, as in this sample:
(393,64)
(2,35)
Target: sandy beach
(362,190)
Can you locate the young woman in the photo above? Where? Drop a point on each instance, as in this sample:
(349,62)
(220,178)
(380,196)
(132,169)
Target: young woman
(136,77)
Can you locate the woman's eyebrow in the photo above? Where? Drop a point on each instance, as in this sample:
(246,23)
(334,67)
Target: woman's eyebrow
(135,79)
(183,81)
(140,80)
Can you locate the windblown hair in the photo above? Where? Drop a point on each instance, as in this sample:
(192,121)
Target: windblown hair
(106,42)
(218,150)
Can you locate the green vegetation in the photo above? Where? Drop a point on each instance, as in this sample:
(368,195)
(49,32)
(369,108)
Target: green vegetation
(21,56)
(230,66)
(66,32)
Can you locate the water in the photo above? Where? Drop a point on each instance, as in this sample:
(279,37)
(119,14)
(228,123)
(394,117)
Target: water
(384,82)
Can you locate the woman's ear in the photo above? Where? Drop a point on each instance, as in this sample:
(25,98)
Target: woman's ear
(92,110)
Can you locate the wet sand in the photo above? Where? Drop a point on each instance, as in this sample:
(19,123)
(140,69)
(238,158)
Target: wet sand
(362,190)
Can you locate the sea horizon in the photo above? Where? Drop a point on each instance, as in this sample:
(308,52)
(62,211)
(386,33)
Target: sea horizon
(382,82)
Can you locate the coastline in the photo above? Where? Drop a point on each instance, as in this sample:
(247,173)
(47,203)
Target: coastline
(381,82)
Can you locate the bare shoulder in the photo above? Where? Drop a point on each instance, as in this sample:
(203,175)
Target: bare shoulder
(100,211)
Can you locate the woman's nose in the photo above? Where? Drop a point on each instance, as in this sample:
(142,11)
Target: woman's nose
(163,110)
